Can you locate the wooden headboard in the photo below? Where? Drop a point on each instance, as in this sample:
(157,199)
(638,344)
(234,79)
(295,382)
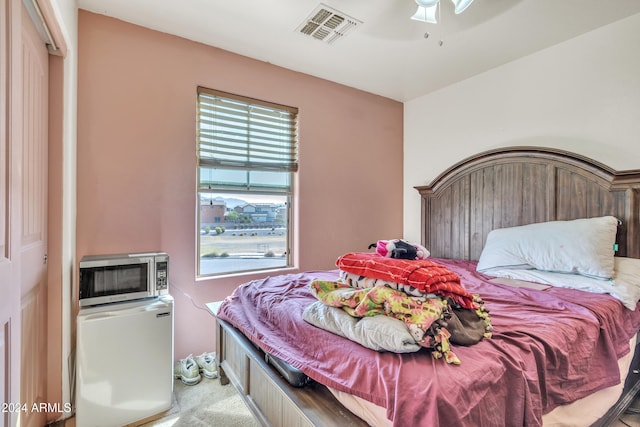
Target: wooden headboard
(523,185)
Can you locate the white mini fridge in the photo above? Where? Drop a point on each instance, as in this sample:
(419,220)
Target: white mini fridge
(124,362)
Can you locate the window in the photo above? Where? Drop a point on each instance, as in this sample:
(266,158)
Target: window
(247,157)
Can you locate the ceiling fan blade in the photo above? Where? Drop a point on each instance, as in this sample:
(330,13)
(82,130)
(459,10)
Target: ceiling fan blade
(426,14)
(392,21)
(461,5)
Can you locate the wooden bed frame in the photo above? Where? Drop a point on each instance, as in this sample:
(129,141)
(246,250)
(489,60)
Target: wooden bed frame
(499,188)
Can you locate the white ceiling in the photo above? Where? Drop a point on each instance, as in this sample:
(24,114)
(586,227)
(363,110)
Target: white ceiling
(388,53)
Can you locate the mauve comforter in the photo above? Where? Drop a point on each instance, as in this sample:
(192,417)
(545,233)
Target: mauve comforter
(549,347)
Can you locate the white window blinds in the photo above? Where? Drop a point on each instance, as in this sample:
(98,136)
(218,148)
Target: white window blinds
(241,133)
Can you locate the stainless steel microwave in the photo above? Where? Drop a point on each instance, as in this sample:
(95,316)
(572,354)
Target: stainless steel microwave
(123,277)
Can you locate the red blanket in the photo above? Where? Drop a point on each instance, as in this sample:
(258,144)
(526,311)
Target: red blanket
(425,275)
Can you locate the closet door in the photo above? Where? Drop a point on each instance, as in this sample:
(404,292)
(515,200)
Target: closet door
(23,207)
(33,220)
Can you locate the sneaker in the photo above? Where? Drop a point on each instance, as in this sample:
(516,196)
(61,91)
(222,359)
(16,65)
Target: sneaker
(187,370)
(207,364)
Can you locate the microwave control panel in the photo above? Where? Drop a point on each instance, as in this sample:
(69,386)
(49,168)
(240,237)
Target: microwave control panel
(161,275)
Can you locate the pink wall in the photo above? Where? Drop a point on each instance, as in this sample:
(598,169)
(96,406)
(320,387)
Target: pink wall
(137,163)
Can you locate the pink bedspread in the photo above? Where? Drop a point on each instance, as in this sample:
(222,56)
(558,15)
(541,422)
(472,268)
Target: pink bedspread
(549,348)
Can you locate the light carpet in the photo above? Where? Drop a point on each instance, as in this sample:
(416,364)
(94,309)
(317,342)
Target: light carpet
(205,404)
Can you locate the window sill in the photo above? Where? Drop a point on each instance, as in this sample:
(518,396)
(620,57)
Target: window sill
(248,275)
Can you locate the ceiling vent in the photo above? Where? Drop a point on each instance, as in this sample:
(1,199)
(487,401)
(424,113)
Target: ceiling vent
(327,24)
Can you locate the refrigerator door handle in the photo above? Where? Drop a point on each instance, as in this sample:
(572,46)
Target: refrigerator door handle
(164,314)
(98,316)
(153,307)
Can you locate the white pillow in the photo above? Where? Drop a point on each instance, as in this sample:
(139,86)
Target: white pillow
(625,285)
(581,246)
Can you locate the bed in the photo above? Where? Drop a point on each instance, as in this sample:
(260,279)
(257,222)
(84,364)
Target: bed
(524,380)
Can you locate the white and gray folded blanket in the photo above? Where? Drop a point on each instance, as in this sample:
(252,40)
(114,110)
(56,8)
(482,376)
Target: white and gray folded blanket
(379,333)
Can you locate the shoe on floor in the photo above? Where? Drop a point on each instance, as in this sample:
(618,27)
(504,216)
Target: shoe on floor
(207,364)
(187,370)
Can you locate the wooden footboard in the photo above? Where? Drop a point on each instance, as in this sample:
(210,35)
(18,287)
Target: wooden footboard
(267,394)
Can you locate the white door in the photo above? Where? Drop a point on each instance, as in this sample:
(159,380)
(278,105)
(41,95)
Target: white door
(9,212)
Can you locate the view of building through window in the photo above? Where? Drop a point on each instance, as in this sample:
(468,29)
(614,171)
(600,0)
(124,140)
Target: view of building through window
(242,232)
